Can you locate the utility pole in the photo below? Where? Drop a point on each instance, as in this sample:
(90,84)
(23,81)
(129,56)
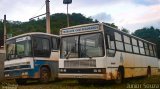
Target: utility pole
(67,2)
(67,17)
(48,28)
(48,17)
(5,35)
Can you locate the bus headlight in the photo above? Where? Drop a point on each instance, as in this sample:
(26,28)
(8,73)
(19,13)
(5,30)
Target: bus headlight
(95,70)
(62,70)
(99,70)
(24,73)
(6,75)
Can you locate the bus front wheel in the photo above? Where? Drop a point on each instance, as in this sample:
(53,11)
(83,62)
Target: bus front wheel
(21,81)
(120,76)
(44,75)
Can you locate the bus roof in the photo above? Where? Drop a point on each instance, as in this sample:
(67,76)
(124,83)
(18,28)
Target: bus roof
(32,33)
(93,24)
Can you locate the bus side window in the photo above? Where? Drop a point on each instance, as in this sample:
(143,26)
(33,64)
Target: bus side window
(41,47)
(154,49)
(55,43)
(111,46)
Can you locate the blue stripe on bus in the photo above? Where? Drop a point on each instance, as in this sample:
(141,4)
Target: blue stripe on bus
(31,72)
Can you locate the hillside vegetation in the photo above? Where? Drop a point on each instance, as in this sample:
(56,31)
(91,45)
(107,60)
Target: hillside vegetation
(59,21)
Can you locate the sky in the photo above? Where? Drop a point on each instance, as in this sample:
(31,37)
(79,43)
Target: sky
(129,14)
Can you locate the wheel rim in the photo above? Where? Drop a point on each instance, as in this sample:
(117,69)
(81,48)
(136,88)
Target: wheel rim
(149,72)
(44,76)
(119,78)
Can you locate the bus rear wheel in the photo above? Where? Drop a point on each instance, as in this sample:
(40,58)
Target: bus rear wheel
(149,72)
(44,75)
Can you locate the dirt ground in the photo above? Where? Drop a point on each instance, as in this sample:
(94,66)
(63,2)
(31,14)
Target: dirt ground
(132,83)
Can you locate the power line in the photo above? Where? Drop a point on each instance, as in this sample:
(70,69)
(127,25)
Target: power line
(39,10)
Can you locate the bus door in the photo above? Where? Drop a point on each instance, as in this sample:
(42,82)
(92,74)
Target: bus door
(110,51)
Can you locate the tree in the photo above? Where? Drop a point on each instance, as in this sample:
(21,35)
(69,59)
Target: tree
(125,30)
(112,25)
(58,21)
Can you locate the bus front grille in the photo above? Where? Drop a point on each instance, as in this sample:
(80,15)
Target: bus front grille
(79,63)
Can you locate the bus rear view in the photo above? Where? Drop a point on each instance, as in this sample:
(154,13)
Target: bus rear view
(99,51)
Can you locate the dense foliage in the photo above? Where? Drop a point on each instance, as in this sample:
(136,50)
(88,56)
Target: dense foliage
(125,30)
(59,21)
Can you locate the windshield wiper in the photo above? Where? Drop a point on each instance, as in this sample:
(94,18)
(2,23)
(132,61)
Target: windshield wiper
(88,56)
(19,56)
(82,52)
(68,54)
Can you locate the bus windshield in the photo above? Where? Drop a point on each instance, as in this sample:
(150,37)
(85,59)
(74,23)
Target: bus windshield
(83,46)
(18,48)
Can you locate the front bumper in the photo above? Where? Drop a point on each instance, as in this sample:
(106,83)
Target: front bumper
(15,74)
(82,76)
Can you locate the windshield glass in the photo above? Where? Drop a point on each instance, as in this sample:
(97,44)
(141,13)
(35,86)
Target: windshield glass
(18,48)
(83,46)
(69,47)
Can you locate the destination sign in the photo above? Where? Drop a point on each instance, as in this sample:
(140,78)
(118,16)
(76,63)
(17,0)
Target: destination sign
(80,29)
(23,38)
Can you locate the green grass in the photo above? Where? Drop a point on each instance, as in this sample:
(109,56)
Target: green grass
(73,84)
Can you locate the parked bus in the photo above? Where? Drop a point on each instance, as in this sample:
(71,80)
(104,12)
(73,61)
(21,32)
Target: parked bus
(99,51)
(32,56)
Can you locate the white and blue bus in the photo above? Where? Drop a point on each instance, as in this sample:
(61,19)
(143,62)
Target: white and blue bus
(32,56)
(99,51)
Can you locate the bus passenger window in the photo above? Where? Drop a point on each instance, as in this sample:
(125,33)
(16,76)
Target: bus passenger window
(119,43)
(154,50)
(151,50)
(135,49)
(127,43)
(135,46)
(141,47)
(146,48)
(111,42)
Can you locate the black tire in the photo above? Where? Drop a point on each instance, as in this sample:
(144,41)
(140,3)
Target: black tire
(84,81)
(120,76)
(81,81)
(149,72)
(21,81)
(44,75)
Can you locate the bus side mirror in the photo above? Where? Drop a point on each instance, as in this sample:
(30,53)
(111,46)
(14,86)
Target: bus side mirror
(111,52)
